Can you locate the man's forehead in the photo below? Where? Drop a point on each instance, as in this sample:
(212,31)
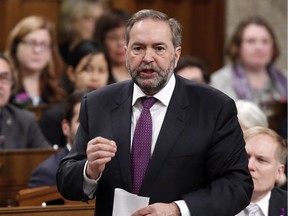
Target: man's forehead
(152,29)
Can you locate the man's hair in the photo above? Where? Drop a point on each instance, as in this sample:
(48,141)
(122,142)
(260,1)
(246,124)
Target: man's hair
(157,16)
(190,61)
(281,152)
(71,101)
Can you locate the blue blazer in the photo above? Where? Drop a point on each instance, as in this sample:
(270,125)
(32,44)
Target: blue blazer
(45,173)
(199,155)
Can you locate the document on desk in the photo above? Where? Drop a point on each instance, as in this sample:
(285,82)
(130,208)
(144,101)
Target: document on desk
(125,203)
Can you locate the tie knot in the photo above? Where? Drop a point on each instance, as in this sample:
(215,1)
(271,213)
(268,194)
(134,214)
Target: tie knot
(148,102)
(253,209)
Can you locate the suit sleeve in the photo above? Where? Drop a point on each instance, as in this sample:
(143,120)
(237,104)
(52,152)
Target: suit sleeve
(231,185)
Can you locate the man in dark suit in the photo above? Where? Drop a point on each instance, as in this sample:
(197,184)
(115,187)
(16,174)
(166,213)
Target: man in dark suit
(198,163)
(18,127)
(45,173)
(267,153)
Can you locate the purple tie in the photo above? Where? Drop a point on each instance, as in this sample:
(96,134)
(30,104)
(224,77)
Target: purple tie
(141,147)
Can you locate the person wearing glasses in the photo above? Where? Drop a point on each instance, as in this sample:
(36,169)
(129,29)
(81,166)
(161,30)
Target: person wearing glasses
(33,52)
(18,127)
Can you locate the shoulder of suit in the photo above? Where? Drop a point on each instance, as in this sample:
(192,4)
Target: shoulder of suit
(277,190)
(13,110)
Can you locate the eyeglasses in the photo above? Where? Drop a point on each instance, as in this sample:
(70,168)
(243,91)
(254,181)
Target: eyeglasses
(5,79)
(43,46)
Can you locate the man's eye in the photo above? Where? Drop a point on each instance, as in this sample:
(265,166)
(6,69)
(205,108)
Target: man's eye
(137,49)
(160,50)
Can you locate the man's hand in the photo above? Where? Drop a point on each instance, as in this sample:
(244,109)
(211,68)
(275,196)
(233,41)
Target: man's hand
(159,209)
(99,152)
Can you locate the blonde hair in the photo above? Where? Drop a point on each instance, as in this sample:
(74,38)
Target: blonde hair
(250,115)
(281,153)
(51,73)
(70,11)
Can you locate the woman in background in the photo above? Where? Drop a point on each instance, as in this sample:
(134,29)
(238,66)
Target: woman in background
(110,30)
(33,52)
(89,67)
(252,76)
(77,20)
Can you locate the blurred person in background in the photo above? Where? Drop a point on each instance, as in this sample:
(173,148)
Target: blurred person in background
(193,69)
(18,127)
(267,154)
(250,115)
(110,30)
(252,76)
(77,21)
(33,52)
(45,173)
(89,67)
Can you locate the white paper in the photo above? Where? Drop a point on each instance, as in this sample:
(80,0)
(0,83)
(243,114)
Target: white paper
(125,203)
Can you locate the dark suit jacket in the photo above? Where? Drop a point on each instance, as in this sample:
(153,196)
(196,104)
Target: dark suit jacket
(45,173)
(21,130)
(51,125)
(278,200)
(199,154)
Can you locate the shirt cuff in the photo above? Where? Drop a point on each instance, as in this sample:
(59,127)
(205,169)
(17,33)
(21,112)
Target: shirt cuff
(89,185)
(184,210)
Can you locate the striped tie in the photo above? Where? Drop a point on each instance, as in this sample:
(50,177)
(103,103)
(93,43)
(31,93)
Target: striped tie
(253,210)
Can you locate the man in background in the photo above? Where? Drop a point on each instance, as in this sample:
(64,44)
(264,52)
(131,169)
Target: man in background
(45,173)
(267,153)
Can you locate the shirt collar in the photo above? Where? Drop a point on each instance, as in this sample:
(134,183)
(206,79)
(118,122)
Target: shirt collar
(264,203)
(164,95)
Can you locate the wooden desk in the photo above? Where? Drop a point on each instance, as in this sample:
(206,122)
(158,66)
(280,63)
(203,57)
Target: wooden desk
(61,210)
(47,195)
(16,167)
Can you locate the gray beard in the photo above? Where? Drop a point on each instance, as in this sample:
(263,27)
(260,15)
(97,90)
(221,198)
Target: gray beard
(159,82)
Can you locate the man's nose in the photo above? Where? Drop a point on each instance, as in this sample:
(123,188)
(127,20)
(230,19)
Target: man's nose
(149,56)
(251,165)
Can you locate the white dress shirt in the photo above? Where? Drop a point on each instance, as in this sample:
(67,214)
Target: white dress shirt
(263,205)
(158,112)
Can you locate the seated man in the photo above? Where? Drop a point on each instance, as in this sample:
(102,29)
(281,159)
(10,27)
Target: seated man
(193,69)
(45,173)
(18,127)
(267,155)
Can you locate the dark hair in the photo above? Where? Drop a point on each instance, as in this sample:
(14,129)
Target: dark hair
(234,44)
(86,47)
(71,101)
(110,20)
(187,60)
(159,16)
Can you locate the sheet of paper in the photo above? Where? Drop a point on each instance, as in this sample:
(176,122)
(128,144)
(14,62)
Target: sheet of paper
(125,203)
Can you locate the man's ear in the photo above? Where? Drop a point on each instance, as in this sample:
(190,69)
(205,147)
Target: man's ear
(177,54)
(71,74)
(65,127)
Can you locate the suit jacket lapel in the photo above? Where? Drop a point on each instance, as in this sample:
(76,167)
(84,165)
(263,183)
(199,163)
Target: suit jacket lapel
(121,127)
(174,122)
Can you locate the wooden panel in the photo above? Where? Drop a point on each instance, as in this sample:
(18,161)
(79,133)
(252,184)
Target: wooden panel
(49,195)
(62,210)
(202,21)
(12,11)
(16,167)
